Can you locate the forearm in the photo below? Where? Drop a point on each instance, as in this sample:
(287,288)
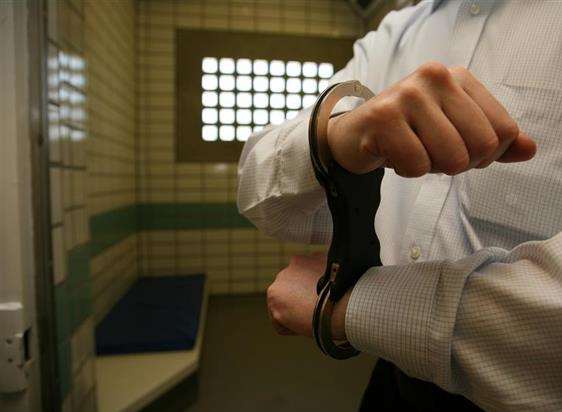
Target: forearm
(487,326)
(277,189)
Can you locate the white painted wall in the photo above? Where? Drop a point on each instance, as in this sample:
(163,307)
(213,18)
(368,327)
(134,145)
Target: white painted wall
(16,225)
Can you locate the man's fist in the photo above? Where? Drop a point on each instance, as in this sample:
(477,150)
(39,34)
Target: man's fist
(438,119)
(292,296)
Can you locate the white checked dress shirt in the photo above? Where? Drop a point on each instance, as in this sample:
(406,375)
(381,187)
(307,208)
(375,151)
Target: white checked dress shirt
(470,296)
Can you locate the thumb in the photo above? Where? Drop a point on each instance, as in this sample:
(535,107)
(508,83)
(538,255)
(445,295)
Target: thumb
(347,146)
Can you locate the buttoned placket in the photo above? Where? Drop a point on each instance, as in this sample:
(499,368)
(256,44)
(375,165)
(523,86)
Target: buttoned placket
(431,198)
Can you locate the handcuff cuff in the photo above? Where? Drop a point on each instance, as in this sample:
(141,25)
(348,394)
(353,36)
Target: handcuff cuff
(353,201)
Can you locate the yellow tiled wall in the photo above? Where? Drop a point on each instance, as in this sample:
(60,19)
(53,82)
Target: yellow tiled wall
(236,260)
(109,37)
(91,122)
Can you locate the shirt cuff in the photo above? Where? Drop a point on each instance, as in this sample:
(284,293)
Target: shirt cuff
(389,314)
(296,171)
(406,314)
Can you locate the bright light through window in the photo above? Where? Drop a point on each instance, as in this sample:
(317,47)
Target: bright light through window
(226,133)
(209,99)
(226,66)
(244,100)
(241,96)
(226,99)
(209,65)
(210,133)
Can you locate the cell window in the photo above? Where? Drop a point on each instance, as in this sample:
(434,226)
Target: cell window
(243,116)
(243,133)
(294,101)
(227,133)
(244,83)
(308,100)
(310,69)
(210,133)
(294,85)
(209,116)
(277,68)
(209,99)
(226,82)
(260,117)
(226,65)
(276,116)
(261,100)
(293,69)
(226,99)
(291,114)
(277,84)
(261,84)
(310,86)
(277,101)
(323,84)
(209,82)
(244,100)
(243,66)
(209,65)
(258,129)
(325,70)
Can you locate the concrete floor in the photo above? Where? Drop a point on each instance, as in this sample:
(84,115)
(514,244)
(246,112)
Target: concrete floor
(247,367)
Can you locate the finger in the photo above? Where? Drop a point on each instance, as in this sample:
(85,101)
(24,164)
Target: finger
(471,122)
(282,330)
(346,149)
(522,149)
(402,148)
(443,143)
(277,326)
(504,126)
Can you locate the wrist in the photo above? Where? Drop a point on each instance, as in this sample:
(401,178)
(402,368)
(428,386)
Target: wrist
(338,317)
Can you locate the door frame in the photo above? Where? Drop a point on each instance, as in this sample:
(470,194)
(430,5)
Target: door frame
(25,253)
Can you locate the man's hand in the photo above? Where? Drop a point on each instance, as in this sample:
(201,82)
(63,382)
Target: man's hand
(435,120)
(292,296)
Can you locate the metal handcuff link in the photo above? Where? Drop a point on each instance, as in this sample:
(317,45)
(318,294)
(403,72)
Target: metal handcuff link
(353,201)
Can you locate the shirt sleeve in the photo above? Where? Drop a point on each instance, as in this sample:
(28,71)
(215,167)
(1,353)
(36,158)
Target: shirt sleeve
(277,189)
(488,326)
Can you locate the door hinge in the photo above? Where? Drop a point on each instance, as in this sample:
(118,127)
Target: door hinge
(15,358)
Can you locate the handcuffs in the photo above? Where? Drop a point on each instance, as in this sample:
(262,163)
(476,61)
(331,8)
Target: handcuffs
(353,201)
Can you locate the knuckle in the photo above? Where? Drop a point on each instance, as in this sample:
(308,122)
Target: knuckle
(269,293)
(509,130)
(385,110)
(459,71)
(434,71)
(411,93)
(368,147)
(486,147)
(276,316)
(295,260)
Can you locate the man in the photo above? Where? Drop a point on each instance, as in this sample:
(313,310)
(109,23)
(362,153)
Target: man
(469,298)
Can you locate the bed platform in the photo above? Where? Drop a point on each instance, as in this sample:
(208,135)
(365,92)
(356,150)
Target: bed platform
(150,341)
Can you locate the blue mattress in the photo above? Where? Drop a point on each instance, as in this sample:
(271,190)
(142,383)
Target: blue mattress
(156,314)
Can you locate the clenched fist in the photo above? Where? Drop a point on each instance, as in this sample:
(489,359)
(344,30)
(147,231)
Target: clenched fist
(437,119)
(292,296)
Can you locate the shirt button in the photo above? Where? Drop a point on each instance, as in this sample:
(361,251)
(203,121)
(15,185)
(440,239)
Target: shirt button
(474,9)
(415,252)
